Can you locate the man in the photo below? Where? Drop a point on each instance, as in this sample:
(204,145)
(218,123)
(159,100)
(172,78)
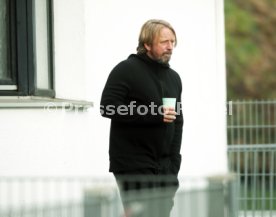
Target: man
(145,140)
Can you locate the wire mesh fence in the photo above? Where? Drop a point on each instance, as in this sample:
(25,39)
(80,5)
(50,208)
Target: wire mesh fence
(252,122)
(90,197)
(252,155)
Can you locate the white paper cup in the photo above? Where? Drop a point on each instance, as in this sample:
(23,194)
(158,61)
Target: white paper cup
(169,102)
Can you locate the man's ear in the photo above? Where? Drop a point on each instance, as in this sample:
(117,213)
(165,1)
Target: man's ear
(147,46)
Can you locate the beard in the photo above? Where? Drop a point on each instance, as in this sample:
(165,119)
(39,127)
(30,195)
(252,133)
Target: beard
(165,58)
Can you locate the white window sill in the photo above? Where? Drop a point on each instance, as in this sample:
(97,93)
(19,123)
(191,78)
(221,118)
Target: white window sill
(32,102)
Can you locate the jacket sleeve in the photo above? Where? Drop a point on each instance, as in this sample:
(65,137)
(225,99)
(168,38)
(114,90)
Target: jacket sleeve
(176,142)
(115,103)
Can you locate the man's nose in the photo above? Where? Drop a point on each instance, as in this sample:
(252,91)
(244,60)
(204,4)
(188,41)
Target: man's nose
(170,45)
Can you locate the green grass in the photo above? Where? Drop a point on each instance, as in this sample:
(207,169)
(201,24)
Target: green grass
(262,198)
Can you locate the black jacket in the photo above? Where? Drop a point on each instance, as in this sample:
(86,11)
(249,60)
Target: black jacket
(138,139)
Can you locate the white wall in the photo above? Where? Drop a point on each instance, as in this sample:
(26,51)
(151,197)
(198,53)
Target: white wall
(69,34)
(90,38)
(41,142)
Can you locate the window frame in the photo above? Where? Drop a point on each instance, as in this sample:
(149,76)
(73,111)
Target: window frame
(21,54)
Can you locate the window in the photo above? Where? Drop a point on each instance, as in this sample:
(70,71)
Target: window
(5,72)
(26,48)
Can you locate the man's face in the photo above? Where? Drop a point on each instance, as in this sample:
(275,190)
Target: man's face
(162,46)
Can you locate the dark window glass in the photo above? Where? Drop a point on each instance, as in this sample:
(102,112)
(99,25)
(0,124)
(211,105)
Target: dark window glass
(4,28)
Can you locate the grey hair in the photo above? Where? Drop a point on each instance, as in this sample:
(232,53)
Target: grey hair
(149,30)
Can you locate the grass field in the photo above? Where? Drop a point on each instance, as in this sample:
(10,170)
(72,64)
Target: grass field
(258,198)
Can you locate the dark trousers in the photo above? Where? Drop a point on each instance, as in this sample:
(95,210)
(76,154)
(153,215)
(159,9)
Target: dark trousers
(146,192)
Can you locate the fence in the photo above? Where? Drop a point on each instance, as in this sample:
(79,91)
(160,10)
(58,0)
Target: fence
(251,122)
(90,197)
(252,155)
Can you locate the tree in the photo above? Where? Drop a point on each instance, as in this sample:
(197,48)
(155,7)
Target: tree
(250,49)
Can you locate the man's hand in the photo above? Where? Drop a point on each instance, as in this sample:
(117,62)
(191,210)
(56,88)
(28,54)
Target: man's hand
(169,115)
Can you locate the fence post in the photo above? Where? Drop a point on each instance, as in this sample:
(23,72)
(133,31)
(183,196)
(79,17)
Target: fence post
(222,196)
(101,202)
